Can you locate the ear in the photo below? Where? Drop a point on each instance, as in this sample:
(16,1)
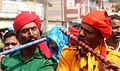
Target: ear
(18,37)
(101,38)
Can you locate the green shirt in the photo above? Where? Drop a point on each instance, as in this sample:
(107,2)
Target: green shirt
(14,62)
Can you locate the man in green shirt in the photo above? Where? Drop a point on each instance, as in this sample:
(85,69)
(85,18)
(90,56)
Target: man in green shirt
(35,58)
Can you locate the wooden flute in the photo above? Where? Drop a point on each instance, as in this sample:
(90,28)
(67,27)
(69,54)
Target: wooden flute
(71,36)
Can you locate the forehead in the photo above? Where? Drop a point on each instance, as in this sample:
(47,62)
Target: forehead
(29,25)
(11,39)
(115,22)
(88,27)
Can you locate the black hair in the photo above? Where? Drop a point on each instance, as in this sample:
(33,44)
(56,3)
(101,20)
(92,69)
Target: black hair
(9,33)
(115,16)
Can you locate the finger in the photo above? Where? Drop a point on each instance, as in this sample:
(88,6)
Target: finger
(112,66)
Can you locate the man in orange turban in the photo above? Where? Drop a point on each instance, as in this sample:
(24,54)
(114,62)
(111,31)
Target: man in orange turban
(35,58)
(94,28)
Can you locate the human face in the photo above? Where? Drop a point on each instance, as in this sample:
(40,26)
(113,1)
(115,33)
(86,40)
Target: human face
(116,29)
(10,42)
(28,33)
(89,35)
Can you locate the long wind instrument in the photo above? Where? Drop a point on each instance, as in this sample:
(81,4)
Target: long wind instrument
(71,36)
(23,46)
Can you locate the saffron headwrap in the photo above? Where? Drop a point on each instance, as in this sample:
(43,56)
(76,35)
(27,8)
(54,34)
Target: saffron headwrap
(26,17)
(98,20)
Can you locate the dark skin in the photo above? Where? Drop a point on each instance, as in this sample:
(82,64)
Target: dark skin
(109,66)
(10,42)
(26,34)
(93,38)
(90,35)
(114,39)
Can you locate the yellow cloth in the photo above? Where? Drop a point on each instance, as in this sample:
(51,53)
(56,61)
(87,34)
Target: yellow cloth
(70,60)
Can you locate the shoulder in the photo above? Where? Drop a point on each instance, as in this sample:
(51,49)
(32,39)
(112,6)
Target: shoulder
(111,51)
(113,56)
(11,55)
(69,49)
(68,52)
(114,53)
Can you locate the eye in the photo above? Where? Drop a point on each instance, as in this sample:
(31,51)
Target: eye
(25,30)
(115,27)
(87,31)
(33,28)
(7,44)
(13,43)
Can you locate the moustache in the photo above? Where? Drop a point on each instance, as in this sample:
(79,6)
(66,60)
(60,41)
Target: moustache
(83,39)
(31,38)
(116,34)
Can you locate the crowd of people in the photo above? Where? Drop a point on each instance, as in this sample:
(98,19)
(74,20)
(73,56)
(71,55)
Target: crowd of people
(97,30)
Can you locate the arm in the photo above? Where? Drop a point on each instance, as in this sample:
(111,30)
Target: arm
(113,63)
(110,66)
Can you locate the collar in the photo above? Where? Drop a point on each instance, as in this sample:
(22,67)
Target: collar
(37,54)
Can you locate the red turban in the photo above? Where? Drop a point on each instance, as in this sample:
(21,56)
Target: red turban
(24,18)
(98,20)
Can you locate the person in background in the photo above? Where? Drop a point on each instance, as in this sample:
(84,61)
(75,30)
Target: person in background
(10,40)
(94,29)
(114,39)
(56,40)
(34,58)
(74,29)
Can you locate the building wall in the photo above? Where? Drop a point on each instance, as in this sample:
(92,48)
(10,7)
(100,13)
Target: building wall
(10,9)
(54,14)
(55,11)
(0,4)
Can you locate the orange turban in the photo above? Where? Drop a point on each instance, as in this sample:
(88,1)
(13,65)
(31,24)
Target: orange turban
(24,18)
(98,20)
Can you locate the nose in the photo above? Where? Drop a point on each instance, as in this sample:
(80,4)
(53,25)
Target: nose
(30,32)
(11,46)
(81,32)
(118,30)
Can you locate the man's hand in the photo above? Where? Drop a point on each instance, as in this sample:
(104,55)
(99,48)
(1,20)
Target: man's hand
(109,66)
